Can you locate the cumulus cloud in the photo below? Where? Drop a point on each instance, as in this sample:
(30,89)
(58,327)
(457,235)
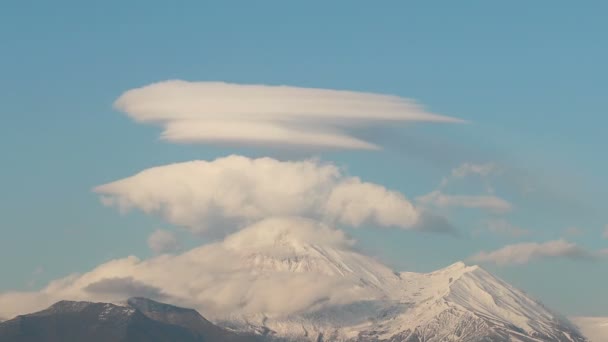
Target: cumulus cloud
(163,241)
(256,270)
(522,253)
(354,202)
(195,112)
(487,202)
(230,192)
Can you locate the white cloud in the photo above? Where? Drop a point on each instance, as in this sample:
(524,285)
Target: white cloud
(467,169)
(195,112)
(503,227)
(353,202)
(256,270)
(486,202)
(522,253)
(268,233)
(471,169)
(34,277)
(489,201)
(162,241)
(232,191)
(123,287)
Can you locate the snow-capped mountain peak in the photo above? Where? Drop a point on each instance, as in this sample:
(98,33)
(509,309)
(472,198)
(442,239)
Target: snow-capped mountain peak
(281,233)
(296,279)
(456,303)
(274,246)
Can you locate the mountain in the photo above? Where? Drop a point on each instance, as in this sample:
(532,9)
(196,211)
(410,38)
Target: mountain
(139,319)
(300,281)
(457,303)
(595,328)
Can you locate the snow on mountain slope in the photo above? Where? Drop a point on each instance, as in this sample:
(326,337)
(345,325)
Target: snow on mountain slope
(302,280)
(321,250)
(461,303)
(457,303)
(595,328)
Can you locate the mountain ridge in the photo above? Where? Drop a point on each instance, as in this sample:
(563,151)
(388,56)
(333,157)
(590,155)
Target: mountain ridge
(389,304)
(138,320)
(302,281)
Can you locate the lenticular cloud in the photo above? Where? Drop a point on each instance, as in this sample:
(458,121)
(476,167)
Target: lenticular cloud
(203,112)
(228,193)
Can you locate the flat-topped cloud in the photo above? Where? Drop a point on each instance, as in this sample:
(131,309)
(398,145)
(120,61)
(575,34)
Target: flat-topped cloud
(217,112)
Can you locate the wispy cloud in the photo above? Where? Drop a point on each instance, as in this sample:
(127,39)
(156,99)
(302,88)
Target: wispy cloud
(574,231)
(485,202)
(35,277)
(163,241)
(523,253)
(197,112)
(504,227)
(467,169)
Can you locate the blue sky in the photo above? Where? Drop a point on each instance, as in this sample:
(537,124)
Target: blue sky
(531,81)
